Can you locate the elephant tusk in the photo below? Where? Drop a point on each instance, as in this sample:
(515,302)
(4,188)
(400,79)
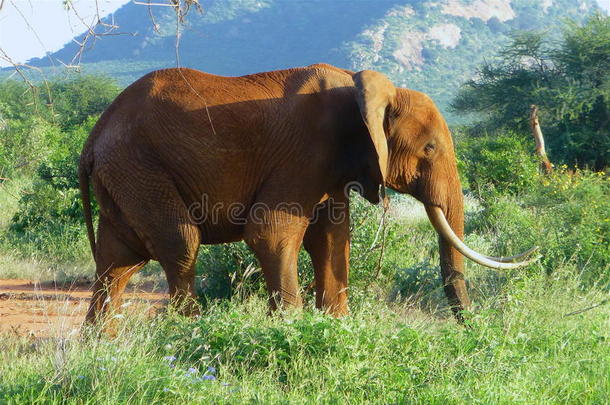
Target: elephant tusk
(442,227)
(510,259)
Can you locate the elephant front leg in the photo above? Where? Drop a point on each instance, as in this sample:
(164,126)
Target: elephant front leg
(276,238)
(327,241)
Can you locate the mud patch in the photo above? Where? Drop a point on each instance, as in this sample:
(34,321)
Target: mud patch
(52,310)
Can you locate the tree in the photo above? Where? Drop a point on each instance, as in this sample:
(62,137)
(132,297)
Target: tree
(569,81)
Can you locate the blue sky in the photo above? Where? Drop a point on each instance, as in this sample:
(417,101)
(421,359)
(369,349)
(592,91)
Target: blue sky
(51,25)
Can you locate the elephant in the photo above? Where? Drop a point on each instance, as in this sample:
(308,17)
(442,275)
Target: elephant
(183,158)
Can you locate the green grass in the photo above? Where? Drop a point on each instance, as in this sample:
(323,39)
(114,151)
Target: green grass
(517,348)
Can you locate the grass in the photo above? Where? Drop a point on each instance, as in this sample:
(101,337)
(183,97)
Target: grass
(518,348)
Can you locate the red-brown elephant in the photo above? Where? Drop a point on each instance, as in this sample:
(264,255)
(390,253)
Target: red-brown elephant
(182,158)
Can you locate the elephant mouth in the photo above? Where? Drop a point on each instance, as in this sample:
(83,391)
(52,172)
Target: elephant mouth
(442,227)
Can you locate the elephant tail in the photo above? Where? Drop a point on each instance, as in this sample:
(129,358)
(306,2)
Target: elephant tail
(84,171)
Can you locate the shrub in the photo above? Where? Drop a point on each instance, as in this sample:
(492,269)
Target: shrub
(24,144)
(30,131)
(503,163)
(417,283)
(53,203)
(75,101)
(566,214)
(227,269)
(49,217)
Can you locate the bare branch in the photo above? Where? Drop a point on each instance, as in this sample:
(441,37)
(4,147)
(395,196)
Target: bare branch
(17,66)
(141,3)
(152,17)
(537,133)
(27,23)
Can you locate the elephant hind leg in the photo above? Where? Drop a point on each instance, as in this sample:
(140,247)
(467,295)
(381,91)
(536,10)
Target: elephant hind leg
(149,202)
(116,262)
(177,253)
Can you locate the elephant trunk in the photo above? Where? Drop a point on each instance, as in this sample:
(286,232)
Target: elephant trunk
(451,260)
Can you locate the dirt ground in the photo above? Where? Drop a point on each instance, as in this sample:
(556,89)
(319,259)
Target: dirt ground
(51,310)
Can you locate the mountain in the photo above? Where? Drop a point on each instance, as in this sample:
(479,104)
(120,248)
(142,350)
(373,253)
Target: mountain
(432,46)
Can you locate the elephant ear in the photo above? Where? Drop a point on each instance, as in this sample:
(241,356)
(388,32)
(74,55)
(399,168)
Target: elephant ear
(374,93)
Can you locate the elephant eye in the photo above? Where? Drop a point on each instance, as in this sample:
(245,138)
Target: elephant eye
(429,148)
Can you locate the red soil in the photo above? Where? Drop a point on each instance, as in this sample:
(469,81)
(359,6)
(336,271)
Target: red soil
(50,310)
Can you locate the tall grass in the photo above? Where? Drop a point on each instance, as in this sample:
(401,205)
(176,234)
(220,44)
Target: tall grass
(518,348)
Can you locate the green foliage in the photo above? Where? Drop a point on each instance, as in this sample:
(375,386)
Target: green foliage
(569,82)
(51,118)
(44,140)
(584,54)
(23,144)
(502,163)
(380,247)
(45,208)
(566,214)
(59,169)
(74,102)
(228,270)
(417,283)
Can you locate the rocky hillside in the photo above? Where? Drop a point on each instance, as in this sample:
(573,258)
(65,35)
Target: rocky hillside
(432,46)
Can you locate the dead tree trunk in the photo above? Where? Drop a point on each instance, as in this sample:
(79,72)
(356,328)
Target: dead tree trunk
(537,133)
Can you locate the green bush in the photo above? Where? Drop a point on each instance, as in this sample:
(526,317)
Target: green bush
(405,239)
(75,101)
(227,270)
(51,210)
(24,144)
(421,282)
(503,163)
(567,214)
(46,145)
(37,121)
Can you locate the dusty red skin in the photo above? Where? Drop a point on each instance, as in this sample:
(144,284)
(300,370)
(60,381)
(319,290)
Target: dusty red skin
(297,136)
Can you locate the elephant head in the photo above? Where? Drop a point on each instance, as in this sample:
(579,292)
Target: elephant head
(415,154)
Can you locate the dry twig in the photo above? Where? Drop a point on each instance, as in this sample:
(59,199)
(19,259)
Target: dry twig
(537,133)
